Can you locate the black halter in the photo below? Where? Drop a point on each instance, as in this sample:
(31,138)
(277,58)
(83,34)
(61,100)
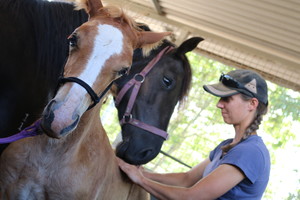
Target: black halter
(96,99)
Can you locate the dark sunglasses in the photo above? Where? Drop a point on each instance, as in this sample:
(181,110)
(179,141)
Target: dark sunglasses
(231,82)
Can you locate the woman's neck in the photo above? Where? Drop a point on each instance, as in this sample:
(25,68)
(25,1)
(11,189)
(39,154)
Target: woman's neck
(240,133)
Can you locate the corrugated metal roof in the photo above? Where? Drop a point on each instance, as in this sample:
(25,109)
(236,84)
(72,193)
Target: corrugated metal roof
(263,35)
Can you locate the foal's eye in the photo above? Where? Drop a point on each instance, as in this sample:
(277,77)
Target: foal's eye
(167,82)
(123,71)
(73,40)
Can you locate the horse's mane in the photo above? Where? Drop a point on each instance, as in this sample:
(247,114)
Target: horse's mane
(49,24)
(109,10)
(118,13)
(187,80)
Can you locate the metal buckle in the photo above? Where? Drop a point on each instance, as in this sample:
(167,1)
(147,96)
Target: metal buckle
(139,78)
(127,118)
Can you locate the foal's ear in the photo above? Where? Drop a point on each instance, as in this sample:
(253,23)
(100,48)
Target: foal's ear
(93,7)
(188,45)
(147,37)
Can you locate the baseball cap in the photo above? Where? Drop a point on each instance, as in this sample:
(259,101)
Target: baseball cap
(242,81)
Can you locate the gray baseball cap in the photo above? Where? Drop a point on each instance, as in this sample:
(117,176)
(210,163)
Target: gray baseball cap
(240,81)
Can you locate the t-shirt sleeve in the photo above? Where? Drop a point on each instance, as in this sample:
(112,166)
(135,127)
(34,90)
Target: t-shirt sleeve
(249,159)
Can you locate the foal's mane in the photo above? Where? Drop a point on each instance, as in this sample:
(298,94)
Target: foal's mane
(118,13)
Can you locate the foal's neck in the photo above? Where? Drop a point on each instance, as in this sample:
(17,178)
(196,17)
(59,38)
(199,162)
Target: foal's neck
(90,124)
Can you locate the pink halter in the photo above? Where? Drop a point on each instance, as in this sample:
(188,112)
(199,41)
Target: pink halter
(136,83)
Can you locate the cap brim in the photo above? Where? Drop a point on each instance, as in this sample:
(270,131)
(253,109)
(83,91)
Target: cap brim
(220,90)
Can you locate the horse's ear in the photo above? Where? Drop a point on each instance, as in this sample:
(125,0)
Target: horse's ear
(188,45)
(147,37)
(93,7)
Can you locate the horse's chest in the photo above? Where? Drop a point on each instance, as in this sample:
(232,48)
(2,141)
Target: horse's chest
(45,176)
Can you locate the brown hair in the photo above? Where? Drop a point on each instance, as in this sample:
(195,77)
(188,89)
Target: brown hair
(261,110)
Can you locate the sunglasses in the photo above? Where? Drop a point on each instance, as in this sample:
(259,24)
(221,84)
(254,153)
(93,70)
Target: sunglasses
(231,82)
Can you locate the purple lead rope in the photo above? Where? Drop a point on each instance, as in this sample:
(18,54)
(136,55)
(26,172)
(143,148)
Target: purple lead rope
(27,132)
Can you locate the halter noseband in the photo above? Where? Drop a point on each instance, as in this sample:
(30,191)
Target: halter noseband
(96,99)
(136,83)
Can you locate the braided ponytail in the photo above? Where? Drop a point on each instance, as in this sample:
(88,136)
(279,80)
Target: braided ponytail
(260,111)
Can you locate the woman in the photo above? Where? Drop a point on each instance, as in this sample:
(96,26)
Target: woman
(237,168)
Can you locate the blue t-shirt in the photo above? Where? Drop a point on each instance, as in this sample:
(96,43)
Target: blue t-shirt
(252,157)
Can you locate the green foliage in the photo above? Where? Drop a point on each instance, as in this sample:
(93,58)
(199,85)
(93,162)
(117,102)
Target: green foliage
(197,127)
(295,195)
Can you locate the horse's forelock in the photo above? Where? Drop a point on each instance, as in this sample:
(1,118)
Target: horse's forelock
(117,12)
(149,47)
(78,4)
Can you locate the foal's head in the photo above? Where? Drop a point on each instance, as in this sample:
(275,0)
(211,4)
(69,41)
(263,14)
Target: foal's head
(100,51)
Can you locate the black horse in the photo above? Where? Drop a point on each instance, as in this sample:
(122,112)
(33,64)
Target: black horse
(33,41)
(166,84)
(33,49)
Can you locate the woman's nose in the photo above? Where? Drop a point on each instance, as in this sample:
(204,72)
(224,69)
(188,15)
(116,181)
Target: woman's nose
(220,104)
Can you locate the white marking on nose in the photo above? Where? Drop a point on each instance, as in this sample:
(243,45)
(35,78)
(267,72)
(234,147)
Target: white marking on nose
(108,41)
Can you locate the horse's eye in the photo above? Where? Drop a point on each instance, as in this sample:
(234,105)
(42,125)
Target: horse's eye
(167,82)
(123,71)
(73,40)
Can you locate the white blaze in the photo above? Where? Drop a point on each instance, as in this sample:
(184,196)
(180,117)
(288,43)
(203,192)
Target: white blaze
(109,41)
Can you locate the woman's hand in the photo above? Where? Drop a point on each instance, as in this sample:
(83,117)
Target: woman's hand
(134,172)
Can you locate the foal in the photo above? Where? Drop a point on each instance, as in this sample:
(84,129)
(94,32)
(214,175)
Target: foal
(79,163)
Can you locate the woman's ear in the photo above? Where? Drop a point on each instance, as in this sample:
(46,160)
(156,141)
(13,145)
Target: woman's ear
(253,103)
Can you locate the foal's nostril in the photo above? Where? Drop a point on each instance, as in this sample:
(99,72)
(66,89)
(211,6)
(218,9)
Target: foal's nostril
(70,127)
(48,114)
(49,108)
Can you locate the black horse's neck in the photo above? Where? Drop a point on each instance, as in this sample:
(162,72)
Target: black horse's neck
(33,50)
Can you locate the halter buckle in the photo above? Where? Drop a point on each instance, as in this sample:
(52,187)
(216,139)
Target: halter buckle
(139,77)
(127,118)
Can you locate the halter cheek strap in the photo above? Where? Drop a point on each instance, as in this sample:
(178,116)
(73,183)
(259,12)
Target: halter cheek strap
(135,84)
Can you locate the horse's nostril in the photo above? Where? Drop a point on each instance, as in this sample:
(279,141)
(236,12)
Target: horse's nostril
(47,112)
(121,149)
(51,103)
(145,154)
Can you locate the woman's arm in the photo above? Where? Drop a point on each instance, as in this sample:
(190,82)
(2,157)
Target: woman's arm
(212,186)
(183,179)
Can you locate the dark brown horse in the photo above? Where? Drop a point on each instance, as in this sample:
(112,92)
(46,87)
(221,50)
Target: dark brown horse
(79,163)
(162,85)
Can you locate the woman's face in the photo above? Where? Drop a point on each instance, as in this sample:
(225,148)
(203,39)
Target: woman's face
(235,110)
